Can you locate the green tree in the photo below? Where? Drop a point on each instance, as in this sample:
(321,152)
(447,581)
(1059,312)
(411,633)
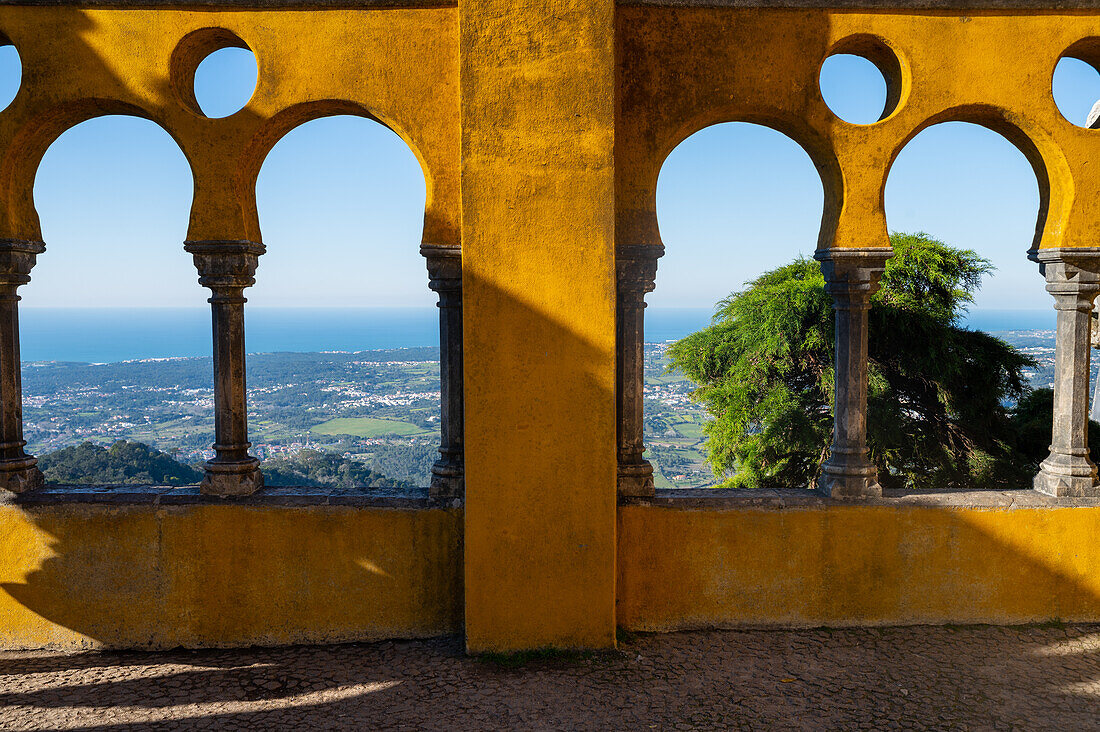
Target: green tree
(315,468)
(937,393)
(1032,420)
(131,463)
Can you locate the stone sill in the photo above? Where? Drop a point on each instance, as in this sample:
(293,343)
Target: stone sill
(795,498)
(699,498)
(240,4)
(896,5)
(136,495)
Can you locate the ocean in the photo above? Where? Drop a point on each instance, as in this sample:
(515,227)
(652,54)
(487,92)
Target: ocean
(100,335)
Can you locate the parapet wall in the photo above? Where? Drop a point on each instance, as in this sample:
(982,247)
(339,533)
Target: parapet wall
(790,559)
(164,568)
(160,569)
(541,128)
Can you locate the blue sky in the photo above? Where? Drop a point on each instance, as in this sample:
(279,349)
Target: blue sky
(341,204)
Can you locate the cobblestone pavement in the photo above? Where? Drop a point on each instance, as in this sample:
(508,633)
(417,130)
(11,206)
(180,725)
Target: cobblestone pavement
(893,678)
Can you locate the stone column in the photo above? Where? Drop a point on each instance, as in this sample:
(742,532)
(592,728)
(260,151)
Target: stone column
(445,278)
(851,278)
(18,471)
(636,272)
(1073,278)
(227,267)
(1094,410)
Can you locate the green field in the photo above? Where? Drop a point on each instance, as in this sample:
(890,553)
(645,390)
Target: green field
(366,427)
(690,430)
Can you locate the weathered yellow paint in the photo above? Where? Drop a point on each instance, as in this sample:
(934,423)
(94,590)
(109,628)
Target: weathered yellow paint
(82,575)
(398,66)
(539,309)
(541,128)
(681,70)
(850,565)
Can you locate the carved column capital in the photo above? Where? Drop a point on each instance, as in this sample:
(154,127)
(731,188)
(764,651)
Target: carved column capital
(853,274)
(17,258)
(1072,275)
(636,269)
(444,266)
(226,266)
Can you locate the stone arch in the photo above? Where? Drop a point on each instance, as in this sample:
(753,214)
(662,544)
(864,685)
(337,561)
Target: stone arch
(636,267)
(291,118)
(798,130)
(18,217)
(111,246)
(443,261)
(1052,173)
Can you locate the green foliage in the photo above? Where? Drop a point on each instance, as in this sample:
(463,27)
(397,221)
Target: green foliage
(134,463)
(131,463)
(936,414)
(315,468)
(1032,421)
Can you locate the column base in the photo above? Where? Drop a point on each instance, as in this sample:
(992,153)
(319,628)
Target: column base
(236,478)
(636,479)
(849,482)
(20,475)
(448,481)
(1063,475)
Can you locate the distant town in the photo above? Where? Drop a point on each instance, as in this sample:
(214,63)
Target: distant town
(378,408)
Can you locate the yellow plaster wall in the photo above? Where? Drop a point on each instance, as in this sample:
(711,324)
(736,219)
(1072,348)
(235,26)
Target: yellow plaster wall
(399,66)
(80,576)
(851,565)
(539,317)
(683,69)
(541,128)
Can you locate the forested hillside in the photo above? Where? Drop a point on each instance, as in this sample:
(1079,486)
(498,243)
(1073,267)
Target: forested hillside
(314,468)
(131,463)
(134,463)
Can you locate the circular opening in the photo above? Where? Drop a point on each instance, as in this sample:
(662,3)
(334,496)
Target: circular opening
(225,81)
(1076,88)
(854,88)
(11,74)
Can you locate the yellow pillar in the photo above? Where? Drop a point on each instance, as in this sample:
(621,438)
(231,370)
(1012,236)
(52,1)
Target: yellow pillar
(539,307)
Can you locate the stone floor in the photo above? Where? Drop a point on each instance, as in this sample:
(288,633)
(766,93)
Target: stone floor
(896,678)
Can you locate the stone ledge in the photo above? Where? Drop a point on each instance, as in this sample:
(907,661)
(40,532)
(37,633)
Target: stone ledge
(131,495)
(901,5)
(240,4)
(699,498)
(794,498)
(898,5)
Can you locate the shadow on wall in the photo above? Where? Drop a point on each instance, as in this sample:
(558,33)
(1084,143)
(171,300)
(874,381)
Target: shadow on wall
(540,451)
(836,565)
(87,575)
(230,574)
(38,133)
(116,575)
(193,571)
